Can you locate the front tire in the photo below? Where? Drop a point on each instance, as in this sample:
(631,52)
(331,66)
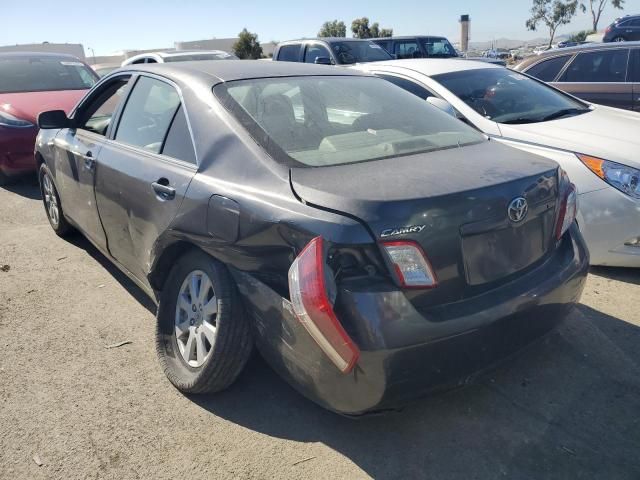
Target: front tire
(619,39)
(203,339)
(52,205)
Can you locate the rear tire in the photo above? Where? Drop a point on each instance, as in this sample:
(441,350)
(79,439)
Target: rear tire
(52,205)
(203,338)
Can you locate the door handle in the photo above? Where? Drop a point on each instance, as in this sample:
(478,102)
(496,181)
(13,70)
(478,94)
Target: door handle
(163,190)
(89,161)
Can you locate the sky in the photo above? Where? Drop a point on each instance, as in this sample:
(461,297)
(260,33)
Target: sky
(115,25)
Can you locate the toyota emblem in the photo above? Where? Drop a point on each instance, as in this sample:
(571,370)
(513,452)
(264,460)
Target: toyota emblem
(518,209)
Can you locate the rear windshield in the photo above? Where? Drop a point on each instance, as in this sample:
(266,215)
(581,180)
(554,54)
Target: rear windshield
(358,52)
(38,74)
(207,56)
(321,121)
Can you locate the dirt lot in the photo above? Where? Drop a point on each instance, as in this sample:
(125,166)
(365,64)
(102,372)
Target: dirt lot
(565,408)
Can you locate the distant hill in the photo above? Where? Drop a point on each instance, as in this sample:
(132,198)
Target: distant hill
(509,43)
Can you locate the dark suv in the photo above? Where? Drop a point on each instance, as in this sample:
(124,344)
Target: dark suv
(330,51)
(623,29)
(608,74)
(417,47)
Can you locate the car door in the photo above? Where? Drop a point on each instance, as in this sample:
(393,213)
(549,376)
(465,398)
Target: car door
(599,77)
(634,77)
(144,171)
(76,151)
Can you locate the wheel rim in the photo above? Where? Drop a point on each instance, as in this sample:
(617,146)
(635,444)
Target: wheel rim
(50,199)
(619,39)
(196,318)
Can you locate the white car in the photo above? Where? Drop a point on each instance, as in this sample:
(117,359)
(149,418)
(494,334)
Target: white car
(179,56)
(598,146)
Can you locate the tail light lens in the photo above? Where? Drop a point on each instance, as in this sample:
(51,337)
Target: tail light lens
(609,28)
(568,211)
(311,305)
(410,264)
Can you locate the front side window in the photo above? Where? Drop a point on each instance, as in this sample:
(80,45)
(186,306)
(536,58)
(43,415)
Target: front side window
(345,119)
(97,114)
(42,74)
(505,96)
(548,70)
(603,66)
(147,114)
(289,53)
(407,50)
(439,48)
(315,51)
(349,52)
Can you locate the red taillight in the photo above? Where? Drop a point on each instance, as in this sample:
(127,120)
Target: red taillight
(410,264)
(314,310)
(609,28)
(568,211)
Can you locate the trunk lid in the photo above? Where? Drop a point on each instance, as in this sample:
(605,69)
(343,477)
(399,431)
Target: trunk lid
(454,204)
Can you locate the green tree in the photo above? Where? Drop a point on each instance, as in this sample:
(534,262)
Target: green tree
(361,29)
(552,13)
(247,46)
(333,29)
(596,7)
(580,36)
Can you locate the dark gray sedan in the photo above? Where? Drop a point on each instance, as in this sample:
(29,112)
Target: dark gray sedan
(370,245)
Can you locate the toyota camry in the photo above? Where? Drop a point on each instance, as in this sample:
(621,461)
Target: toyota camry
(372,247)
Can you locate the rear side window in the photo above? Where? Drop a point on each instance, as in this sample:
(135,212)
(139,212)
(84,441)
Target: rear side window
(289,53)
(407,50)
(548,70)
(409,86)
(178,143)
(634,66)
(315,51)
(148,113)
(605,66)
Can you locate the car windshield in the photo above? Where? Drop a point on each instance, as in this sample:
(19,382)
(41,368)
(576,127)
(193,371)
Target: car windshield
(505,96)
(321,121)
(38,74)
(439,48)
(349,52)
(199,56)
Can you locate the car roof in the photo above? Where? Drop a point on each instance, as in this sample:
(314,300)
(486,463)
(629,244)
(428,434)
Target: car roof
(408,37)
(326,39)
(38,54)
(177,53)
(230,70)
(433,66)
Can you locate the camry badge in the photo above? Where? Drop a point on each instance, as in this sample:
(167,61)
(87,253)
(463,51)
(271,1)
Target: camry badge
(518,209)
(390,232)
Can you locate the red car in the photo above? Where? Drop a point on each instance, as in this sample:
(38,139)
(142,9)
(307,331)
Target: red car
(31,83)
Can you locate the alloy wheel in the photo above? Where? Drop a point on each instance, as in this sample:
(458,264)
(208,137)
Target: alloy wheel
(50,199)
(195,319)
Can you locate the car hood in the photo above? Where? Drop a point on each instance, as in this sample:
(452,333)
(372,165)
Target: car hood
(27,105)
(605,132)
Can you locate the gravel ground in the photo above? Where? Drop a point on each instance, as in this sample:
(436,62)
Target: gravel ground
(567,407)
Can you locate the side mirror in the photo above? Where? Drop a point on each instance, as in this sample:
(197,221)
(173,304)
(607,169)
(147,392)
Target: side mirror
(442,105)
(53,119)
(323,61)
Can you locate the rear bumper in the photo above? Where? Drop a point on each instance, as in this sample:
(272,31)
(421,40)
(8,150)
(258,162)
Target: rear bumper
(16,150)
(608,219)
(404,353)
